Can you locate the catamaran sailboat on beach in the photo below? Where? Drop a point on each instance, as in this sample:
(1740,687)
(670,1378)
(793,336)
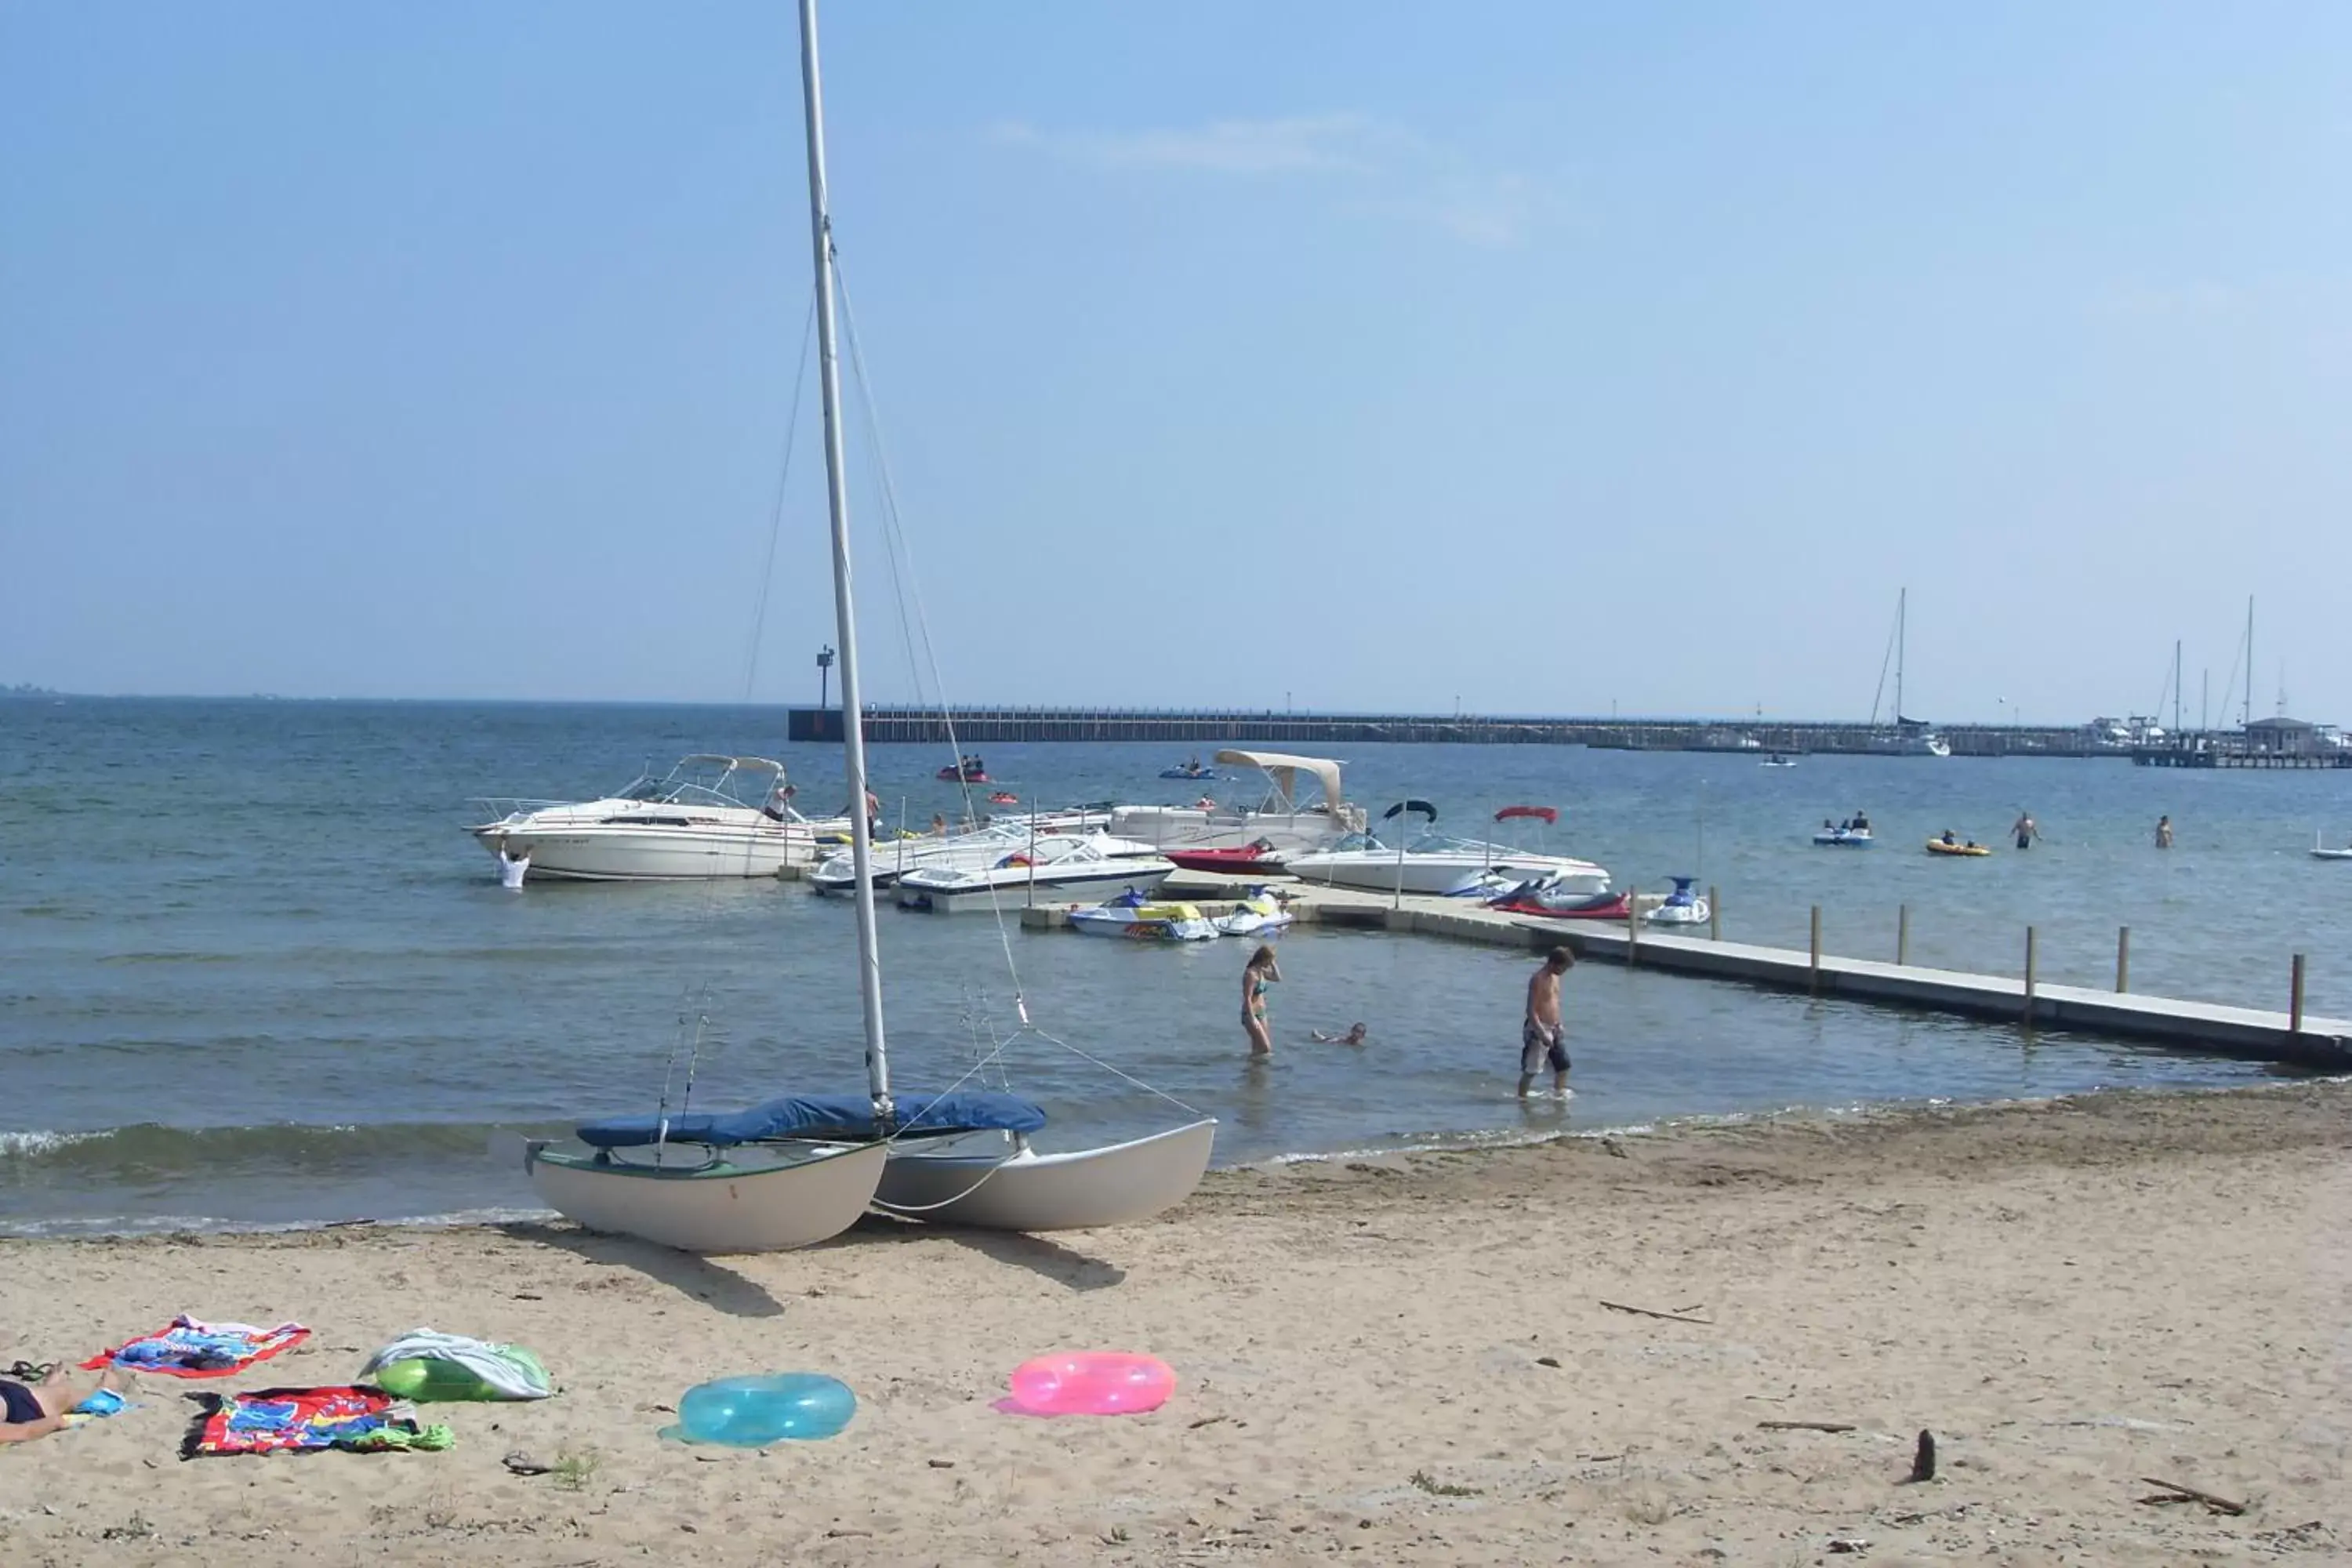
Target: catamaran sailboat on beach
(799,1168)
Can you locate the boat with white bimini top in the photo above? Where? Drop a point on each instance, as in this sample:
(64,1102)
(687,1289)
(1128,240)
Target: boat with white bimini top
(1055,869)
(1430,862)
(796,1170)
(1281,818)
(1683,907)
(710,816)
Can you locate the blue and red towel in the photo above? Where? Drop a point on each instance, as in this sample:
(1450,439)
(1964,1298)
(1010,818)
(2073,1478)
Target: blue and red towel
(304,1420)
(189,1347)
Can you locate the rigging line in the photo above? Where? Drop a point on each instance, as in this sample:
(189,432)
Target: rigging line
(1108,1066)
(776,517)
(921,621)
(1879,696)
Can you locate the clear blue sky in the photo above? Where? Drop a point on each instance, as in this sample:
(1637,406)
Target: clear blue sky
(1359,355)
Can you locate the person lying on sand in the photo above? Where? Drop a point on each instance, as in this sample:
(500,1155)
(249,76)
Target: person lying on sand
(1354,1037)
(37,1409)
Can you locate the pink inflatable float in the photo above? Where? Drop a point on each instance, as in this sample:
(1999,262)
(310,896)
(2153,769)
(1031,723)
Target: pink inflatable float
(1092,1383)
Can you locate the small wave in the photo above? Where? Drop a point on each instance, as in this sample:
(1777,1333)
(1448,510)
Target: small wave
(147,1150)
(209,1225)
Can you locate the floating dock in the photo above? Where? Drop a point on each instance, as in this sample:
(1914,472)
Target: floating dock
(2248,1033)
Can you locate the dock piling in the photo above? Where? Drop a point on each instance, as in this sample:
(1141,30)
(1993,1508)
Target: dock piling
(2030,956)
(1633,929)
(1813,981)
(1714,914)
(1902,935)
(2295,998)
(2123,959)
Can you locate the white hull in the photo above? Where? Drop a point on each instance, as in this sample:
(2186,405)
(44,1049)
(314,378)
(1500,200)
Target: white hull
(767,1209)
(1117,1186)
(1188,827)
(1014,889)
(836,874)
(1131,925)
(1678,914)
(599,853)
(1380,872)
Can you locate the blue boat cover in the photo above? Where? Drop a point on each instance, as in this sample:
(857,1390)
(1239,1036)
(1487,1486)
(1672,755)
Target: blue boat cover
(846,1117)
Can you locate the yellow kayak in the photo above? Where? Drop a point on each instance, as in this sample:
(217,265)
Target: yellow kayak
(1937,846)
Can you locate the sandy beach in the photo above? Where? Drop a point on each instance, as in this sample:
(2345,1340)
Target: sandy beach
(1396,1360)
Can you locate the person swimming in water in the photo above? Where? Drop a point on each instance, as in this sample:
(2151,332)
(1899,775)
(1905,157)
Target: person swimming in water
(1354,1037)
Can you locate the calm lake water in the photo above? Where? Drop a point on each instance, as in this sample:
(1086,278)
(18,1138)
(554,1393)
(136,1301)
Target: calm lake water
(252,971)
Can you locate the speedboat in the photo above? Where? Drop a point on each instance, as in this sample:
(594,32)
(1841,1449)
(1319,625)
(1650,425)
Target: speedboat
(1058,869)
(708,817)
(968,770)
(1777,761)
(1262,913)
(837,873)
(1134,916)
(1281,818)
(2319,850)
(1431,862)
(1256,858)
(1683,907)
(1562,898)
(1845,835)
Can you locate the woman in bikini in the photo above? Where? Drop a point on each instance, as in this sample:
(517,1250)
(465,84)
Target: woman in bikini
(1260,972)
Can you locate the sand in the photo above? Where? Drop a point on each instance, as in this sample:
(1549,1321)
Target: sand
(1401,1360)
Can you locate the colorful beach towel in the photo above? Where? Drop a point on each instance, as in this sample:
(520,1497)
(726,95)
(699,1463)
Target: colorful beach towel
(189,1347)
(304,1420)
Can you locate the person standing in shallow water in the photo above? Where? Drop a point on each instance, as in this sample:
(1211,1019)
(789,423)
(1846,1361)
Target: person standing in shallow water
(2164,833)
(2025,830)
(1542,1036)
(1257,976)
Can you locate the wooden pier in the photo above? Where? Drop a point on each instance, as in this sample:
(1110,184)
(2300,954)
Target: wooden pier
(2247,1033)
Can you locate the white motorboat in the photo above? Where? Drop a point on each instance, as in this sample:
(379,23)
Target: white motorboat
(2320,851)
(837,874)
(1281,818)
(710,816)
(796,1170)
(1777,761)
(1853,833)
(1051,870)
(1431,862)
(1683,907)
(1135,918)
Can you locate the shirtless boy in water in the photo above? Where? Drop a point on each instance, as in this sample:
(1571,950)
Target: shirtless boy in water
(1541,1036)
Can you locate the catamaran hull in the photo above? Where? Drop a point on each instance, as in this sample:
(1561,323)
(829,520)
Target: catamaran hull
(1117,1186)
(769,1209)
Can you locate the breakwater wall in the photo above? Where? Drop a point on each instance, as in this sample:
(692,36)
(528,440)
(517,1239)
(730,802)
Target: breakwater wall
(1195,728)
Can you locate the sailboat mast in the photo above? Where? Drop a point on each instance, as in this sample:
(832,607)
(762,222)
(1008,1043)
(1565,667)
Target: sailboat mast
(836,496)
(2176,687)
(1902,609)
(2248,716)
